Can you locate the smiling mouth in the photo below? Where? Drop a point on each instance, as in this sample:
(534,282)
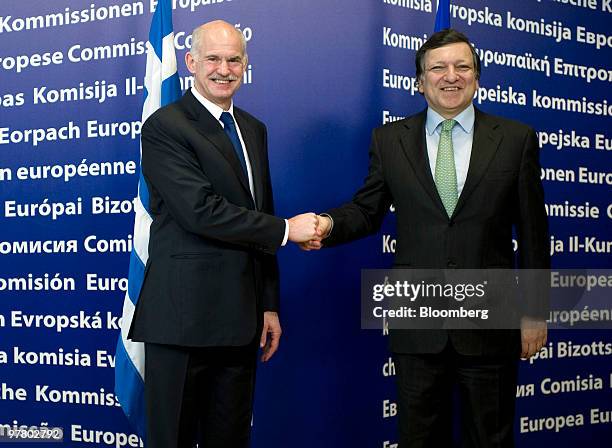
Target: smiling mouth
(450,89)
(223,80)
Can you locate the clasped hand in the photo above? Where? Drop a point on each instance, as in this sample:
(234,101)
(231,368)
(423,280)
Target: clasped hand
(308,230)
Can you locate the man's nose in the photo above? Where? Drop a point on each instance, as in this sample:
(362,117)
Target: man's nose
(223,68)
(451,74)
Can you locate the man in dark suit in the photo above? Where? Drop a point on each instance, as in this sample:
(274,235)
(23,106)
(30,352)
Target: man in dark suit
(460,180)
(210,292)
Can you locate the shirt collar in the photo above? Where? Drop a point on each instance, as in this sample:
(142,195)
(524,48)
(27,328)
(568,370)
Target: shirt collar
(213,108)
(465,119)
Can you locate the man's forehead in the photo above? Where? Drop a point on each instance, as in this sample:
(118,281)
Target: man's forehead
(212,48)
(221,42)
(457,51)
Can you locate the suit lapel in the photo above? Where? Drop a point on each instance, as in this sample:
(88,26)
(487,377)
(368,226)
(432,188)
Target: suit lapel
(255,157)
(414,144)
(484,145)
(211,129)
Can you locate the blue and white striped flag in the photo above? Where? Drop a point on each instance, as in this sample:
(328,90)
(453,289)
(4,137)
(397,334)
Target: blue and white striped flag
(162,87)
(442,16)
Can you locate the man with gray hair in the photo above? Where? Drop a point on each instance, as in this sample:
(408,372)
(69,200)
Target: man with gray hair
(210,294)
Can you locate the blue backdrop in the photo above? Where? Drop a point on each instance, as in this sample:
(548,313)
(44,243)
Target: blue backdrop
(322,74)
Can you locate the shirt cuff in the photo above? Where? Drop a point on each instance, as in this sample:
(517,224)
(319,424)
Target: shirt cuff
(286,237)
(331,227)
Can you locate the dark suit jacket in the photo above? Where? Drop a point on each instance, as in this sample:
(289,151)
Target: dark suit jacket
(502,190)
(211,270)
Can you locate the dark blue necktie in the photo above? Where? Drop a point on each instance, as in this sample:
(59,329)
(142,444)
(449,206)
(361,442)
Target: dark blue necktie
(230,129)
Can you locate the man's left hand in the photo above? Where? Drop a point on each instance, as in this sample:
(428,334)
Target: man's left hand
(533,336)
(271,326)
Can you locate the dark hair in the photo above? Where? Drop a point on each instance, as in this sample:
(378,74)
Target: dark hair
(441,39)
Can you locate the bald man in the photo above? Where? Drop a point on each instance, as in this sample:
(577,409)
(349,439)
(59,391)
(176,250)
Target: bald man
(211,293)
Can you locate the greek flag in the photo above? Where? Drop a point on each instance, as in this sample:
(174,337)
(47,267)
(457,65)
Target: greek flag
(442,16)
(162,87)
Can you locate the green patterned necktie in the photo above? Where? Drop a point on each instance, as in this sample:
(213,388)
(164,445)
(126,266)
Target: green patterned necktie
(446,174)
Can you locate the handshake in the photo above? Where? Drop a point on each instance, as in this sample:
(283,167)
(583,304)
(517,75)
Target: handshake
(308,230)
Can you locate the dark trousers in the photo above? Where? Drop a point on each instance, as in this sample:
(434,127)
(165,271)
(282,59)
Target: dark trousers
(487,391)
(199,395)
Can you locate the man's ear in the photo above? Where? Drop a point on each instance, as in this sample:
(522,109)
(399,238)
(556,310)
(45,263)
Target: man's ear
(419,85)
(190,62)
